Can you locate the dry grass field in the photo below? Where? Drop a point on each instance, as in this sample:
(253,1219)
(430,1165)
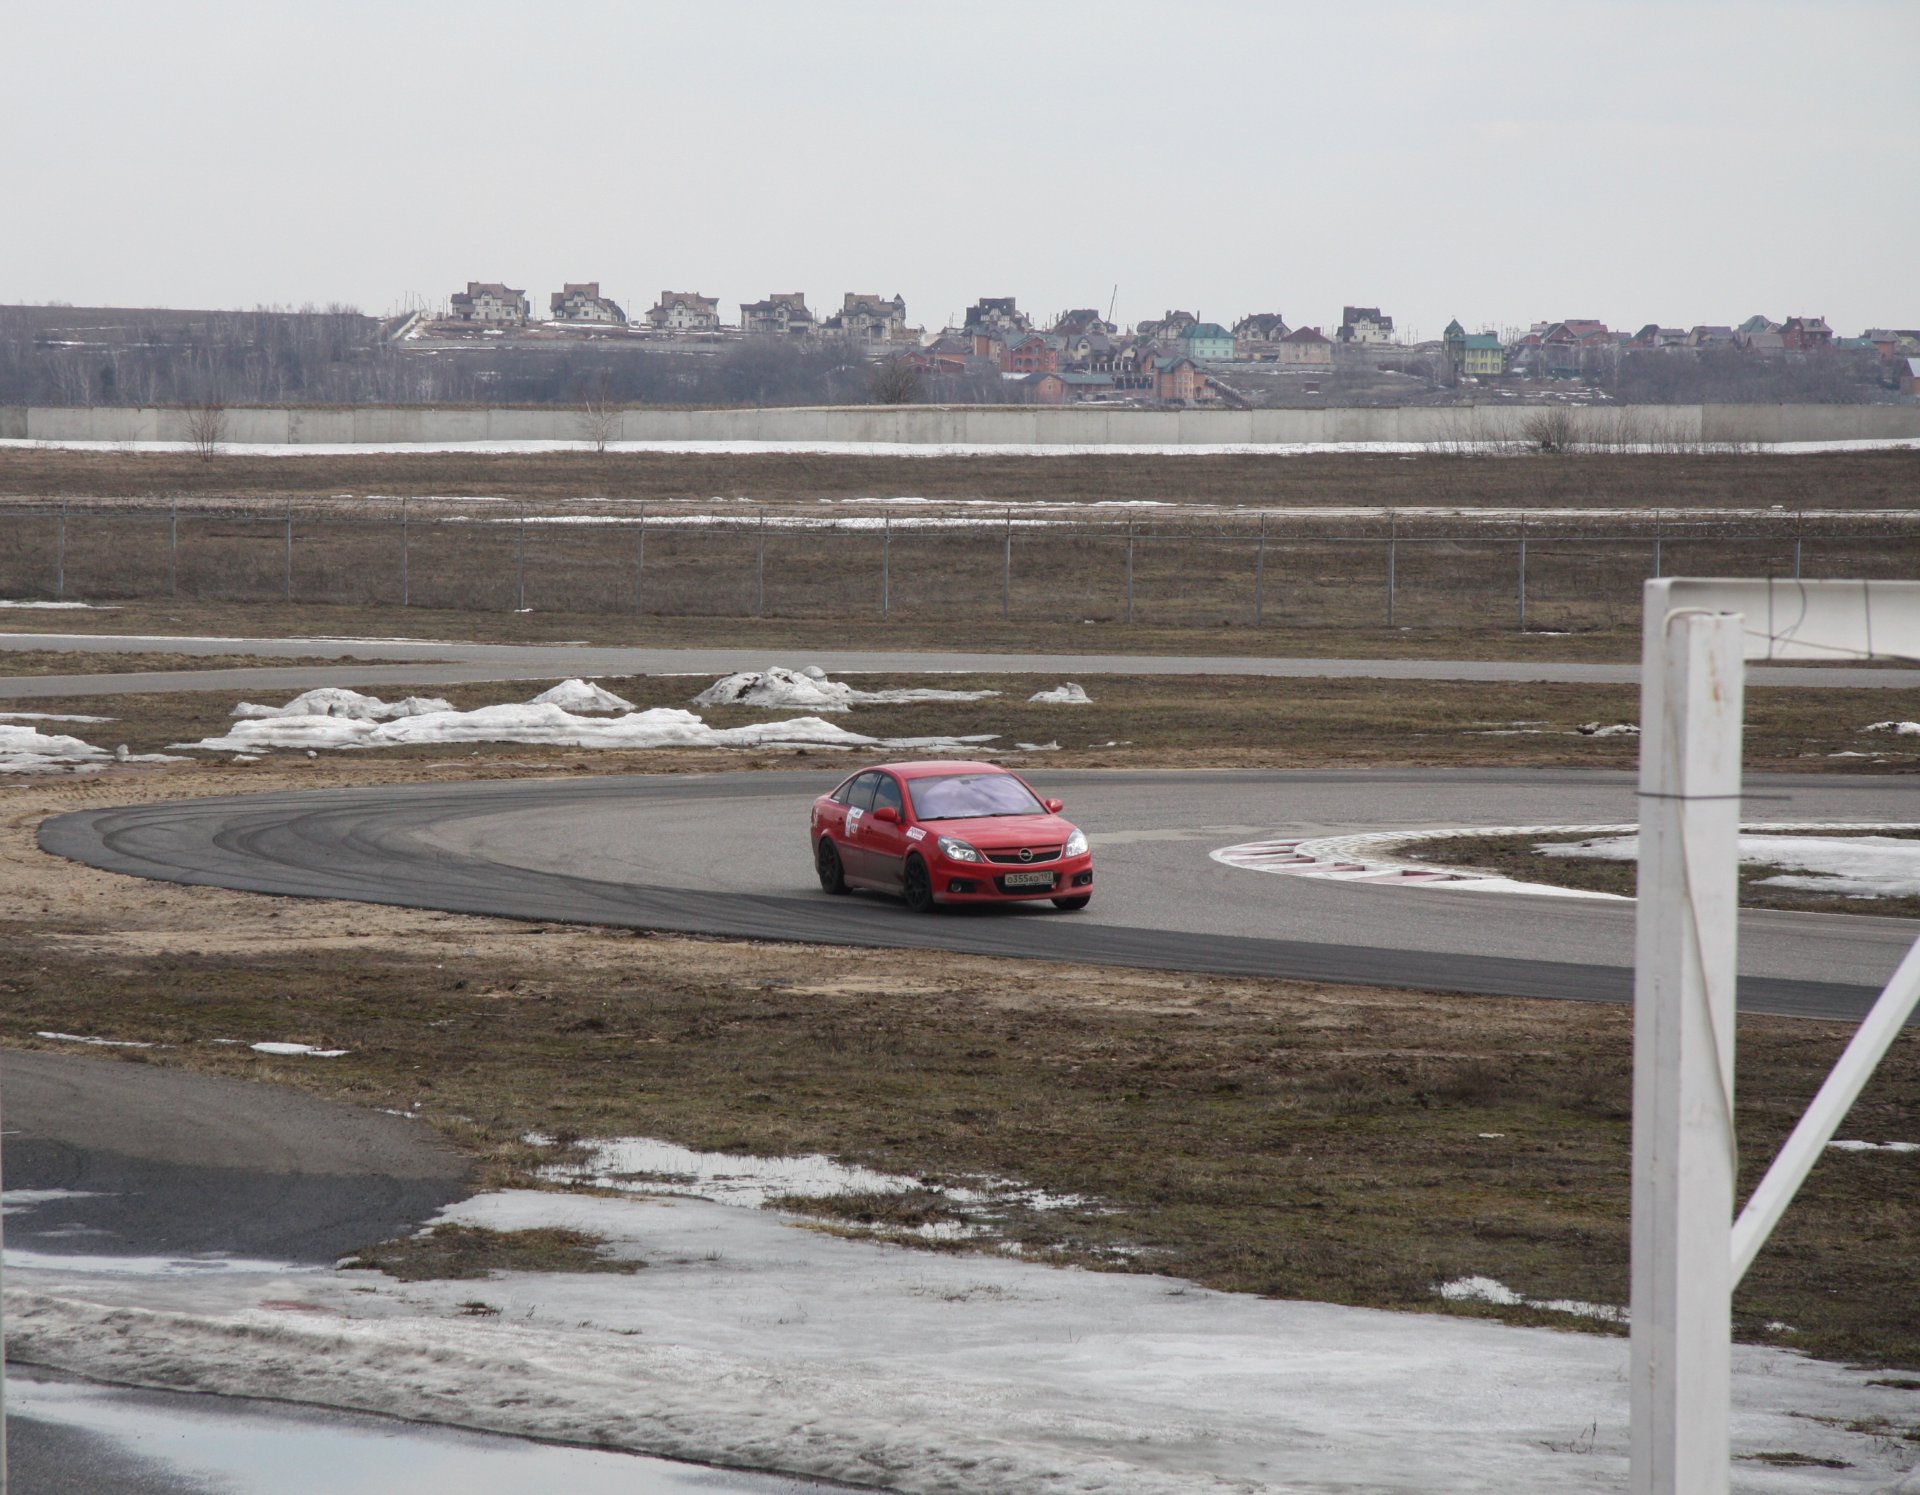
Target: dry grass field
(1852,480)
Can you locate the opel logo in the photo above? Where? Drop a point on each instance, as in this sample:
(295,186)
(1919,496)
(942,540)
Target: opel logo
(1026,853)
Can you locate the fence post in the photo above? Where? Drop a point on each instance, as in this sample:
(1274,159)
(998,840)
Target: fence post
(640,564)
(406,581)
(1656,557)
(1796,557)
(1006,571)
(1523,573)
(60,558)
(760,569)
(1393,546)
(886,565)
(520,562)
(286,558)
(173,548)
(1129,570)
(1260,574)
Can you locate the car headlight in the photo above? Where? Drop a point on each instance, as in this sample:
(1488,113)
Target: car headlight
(1076,844)
(958,851)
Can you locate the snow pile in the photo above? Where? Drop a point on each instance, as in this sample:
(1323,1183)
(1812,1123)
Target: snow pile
(105,1043)
(578,695)
(1848,866)
(1898,729)
(1062,695)
(1491,1290)
(1615,729)
(298,1050)
(811,690)
(49,716)
(347,705)
(1854,1146)
(367,722)
(60,606)
(26,750)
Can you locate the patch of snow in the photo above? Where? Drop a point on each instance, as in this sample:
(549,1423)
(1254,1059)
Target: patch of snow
(1489,1290)
(298,1049)
(346,705)
(25,750)
(1898,729)
(1852,1146)
(105,1043)
(750,1343)
(661,727)
(18,1201)
(144,1266)
(1848,866)
(48,716)
(1036,747)
(60,606)
(810,690)
(1614,729)
(578,696)
(1062,695)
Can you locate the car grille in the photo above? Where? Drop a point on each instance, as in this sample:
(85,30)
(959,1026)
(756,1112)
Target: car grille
(1014,859)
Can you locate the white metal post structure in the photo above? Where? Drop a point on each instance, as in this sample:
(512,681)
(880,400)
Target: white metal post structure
(1688,1252)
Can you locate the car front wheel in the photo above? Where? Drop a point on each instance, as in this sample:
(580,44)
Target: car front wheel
(826,862)
(916,886)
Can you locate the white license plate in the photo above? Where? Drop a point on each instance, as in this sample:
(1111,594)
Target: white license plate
(1029,879)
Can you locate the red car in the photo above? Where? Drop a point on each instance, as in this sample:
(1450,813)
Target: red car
(949,833)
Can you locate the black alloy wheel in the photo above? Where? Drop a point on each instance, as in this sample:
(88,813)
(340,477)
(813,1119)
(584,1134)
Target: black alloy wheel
(1070,904)
(917,886)
(826,862)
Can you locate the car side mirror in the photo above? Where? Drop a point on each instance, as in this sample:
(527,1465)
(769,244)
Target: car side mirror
(887,814)
(1054,806)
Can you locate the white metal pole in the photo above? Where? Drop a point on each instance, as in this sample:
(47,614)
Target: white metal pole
(1683,1141)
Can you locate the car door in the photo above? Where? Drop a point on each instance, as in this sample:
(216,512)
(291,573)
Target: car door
(884,843)
(853,847)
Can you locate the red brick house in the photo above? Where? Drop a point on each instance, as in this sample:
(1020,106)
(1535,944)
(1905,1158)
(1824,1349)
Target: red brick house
(1806,334)
(1180,382)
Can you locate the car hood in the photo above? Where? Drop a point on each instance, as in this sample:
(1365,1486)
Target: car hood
(1004,832)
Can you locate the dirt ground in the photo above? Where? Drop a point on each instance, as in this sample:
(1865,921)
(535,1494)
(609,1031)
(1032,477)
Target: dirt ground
(1338,1143)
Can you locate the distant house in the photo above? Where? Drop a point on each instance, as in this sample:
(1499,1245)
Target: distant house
(996,314)
(1565,346)
(1063,389)
(1031,353)
(1806,334)
(869,319)
(1757,324)
(1364,324)
(684,311)
(1166,328)
(1654,336)
(1482,356)
(1258,336)
(1767,344)
(1180,381)
(489,301)
(1083,322)
(1910,377)
(1704,336)
(582,302)
(783,314)
(1206,340)
(1305,347)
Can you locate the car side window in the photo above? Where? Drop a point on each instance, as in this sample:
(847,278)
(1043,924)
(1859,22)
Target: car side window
(888,794)
(844,794)
(861,797)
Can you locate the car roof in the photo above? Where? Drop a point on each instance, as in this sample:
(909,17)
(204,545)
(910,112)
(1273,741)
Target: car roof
(937,769)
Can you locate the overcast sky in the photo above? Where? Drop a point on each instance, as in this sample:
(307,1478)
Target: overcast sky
(1504,163)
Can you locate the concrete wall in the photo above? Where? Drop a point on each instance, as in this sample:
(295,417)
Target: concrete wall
(985,425)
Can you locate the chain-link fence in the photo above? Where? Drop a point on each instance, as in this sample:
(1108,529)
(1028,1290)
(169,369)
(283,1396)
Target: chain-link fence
(1197,568)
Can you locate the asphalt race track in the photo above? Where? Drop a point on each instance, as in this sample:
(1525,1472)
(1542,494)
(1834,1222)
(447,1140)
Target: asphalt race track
(727,854)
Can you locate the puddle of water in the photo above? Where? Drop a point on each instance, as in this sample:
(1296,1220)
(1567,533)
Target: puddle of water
(226,1444)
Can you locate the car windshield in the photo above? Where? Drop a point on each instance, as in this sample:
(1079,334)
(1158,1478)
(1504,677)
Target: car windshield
(967,796)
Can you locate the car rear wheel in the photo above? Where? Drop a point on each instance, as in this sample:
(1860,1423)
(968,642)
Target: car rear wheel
(1070,904)
(826,862)
(916,886)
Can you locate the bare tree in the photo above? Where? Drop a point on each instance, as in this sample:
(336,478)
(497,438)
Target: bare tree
(598,418)
(894,381)
(206,426)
